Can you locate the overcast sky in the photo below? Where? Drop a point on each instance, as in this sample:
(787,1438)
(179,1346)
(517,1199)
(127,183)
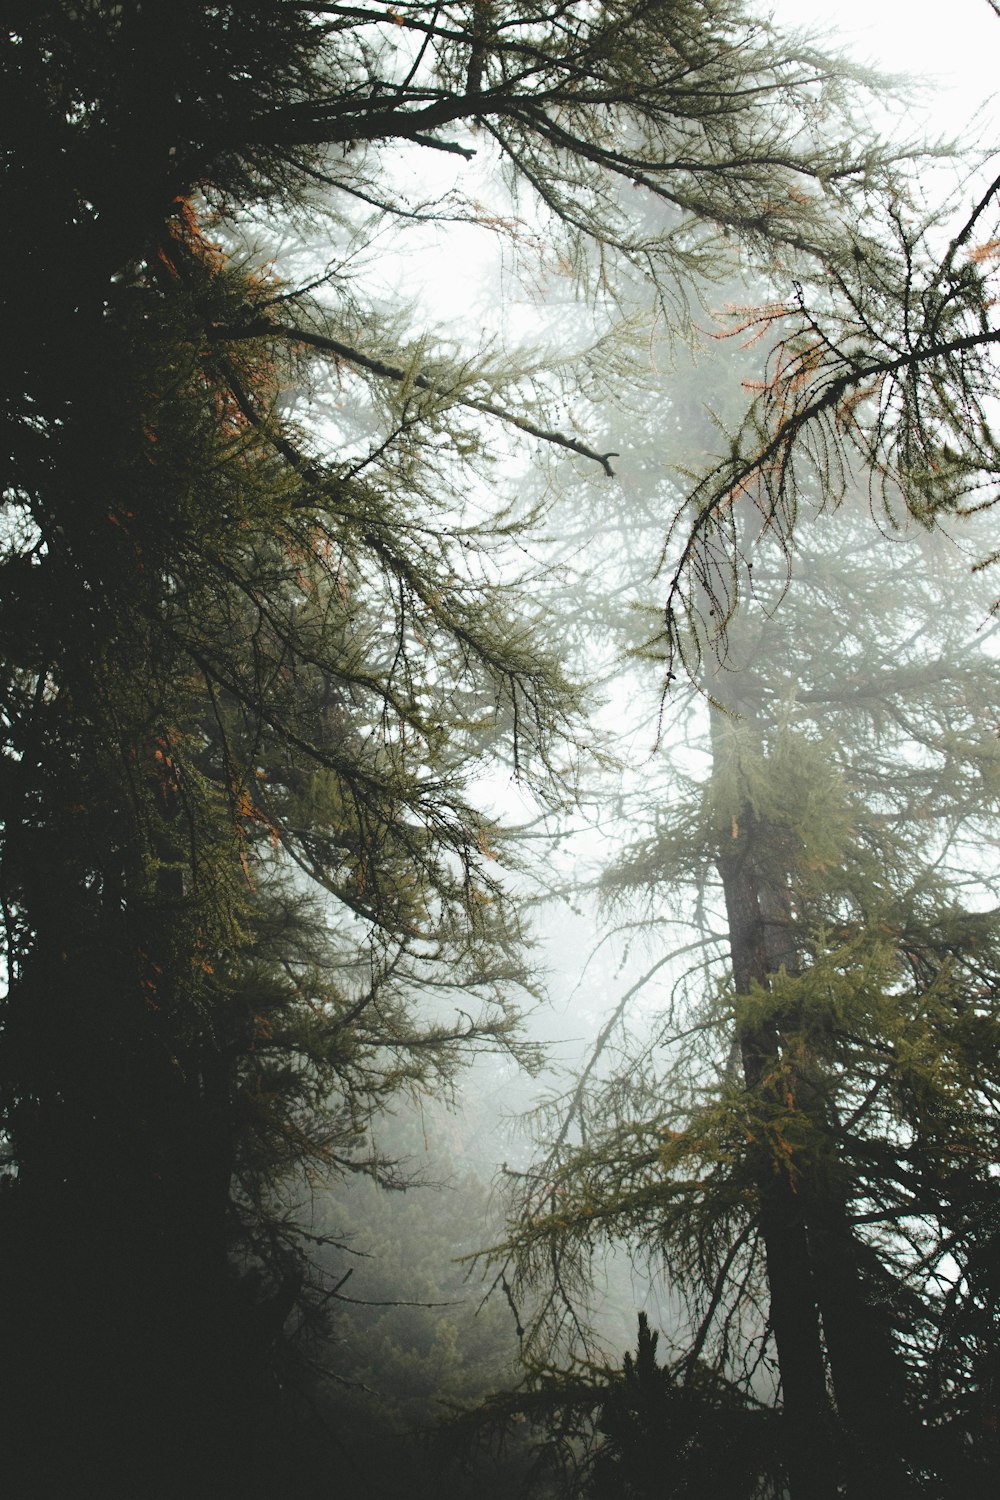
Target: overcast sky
(910,36)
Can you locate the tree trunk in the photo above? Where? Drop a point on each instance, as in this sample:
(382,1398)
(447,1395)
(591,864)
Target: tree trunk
(755,935)
(821,1319)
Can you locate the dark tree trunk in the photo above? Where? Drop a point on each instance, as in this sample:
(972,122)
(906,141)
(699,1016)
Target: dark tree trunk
(755,936)
(821,1318)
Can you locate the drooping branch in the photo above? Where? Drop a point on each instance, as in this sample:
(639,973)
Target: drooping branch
(765,473)
(396,373)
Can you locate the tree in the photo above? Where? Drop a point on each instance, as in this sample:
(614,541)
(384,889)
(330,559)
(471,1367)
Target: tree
(804,1135)
(698,1438)
(251,665)
(888,368)
(225,673)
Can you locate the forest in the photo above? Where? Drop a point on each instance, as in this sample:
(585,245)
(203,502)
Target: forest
(499,758)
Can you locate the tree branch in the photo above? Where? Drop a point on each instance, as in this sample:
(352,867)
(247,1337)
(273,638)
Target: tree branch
(395,373)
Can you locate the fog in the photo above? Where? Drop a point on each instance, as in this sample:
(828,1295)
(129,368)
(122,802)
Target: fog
(631,945)
(501,762)
(629,954)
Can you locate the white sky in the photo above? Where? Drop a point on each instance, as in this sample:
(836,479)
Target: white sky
(956,45)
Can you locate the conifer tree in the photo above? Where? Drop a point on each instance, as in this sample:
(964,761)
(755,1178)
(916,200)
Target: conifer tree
(250,664)
(803,1138)
(690,1439)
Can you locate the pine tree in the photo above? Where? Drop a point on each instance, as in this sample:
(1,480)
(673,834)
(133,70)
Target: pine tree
(661,1437)
(223,671)
(806,1142)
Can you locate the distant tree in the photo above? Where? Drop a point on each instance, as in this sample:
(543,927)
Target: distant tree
(804,1135)
(407,1338)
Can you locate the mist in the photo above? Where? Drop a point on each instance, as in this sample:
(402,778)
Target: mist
(500,786)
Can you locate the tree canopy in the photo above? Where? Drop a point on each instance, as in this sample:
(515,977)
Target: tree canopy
(254,661)
(885,366)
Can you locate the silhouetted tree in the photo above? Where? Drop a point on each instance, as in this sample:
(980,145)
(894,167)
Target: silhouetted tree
(660,1438)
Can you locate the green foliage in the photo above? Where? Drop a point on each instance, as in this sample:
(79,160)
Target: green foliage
(256,657)
(829,1104)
